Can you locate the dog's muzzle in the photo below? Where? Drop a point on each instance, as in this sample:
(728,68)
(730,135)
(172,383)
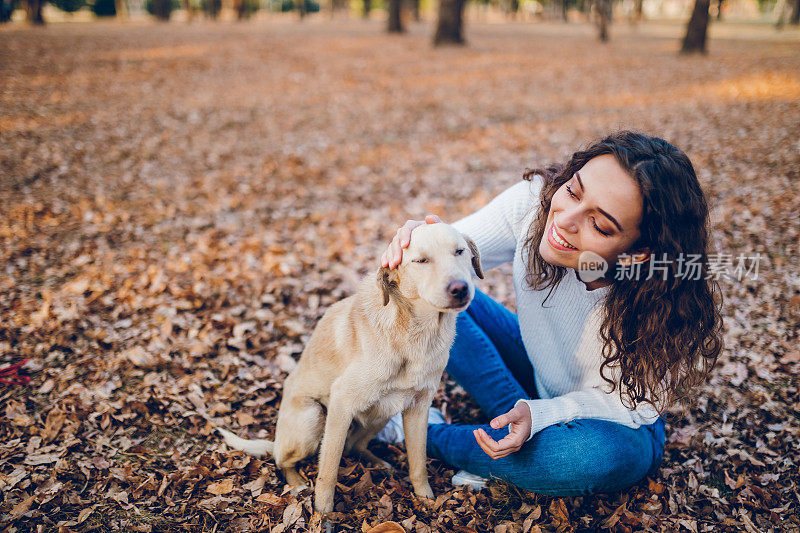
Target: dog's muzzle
(458,292)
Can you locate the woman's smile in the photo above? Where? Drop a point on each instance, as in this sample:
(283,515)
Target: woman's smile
(557,241)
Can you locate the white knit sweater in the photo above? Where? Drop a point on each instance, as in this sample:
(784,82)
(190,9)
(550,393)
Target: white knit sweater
(562,339)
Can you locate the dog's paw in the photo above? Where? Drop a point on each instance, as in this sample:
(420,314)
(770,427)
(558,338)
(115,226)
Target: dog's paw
(424,491)
(323,507)
(323,500)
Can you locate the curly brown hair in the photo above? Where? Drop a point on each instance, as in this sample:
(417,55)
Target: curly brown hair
(662,334)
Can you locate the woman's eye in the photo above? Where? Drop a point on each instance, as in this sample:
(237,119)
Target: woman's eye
(598,229)
(459,251)
(421,260)
(571,193)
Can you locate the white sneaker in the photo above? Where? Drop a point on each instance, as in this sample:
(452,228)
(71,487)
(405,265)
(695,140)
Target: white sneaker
(463,477)
(392,432)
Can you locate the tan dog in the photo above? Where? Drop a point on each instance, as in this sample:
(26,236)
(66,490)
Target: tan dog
(372,355)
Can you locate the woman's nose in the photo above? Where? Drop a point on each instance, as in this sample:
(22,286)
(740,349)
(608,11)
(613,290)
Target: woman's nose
(568,221)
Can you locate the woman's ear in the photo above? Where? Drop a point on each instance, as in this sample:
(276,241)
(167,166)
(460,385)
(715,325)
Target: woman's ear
(476,257)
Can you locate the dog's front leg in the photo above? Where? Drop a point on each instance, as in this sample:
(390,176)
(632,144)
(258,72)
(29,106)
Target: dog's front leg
(415,427)
(337,423)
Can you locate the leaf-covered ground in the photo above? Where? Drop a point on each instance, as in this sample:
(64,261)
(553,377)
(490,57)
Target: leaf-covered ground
(180,203)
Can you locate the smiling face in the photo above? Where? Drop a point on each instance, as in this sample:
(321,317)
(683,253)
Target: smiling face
(599,209)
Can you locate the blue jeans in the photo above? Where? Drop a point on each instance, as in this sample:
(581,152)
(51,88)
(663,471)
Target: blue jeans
(583,456)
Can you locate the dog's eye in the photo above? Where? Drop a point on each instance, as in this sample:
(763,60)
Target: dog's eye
(459,251)
(420,260)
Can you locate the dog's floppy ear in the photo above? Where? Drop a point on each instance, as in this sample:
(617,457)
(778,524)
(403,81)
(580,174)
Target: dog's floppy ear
(388,280)
(476,257)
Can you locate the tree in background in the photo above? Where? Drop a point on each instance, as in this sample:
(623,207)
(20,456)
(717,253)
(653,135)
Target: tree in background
(338,6)
(415,10)
(603,18)
(638,11)
(212,8)
(695,39)
(512,9)
(244,8)
(450,23)
(68,6)
(6,10)
(107,8)
(161,9)
(367,6)
(33,12)
(188,8)
(395,21)
(120,8)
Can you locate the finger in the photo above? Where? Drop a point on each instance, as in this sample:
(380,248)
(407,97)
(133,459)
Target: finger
(500,421)
(508,444)
(432,219)
(397,253)
(384,259)
(404,235)
(406,230)
(490,442)
(483,444)
(510,441)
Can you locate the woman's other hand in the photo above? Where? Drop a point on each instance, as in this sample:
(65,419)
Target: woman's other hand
(394,253)
(519,430)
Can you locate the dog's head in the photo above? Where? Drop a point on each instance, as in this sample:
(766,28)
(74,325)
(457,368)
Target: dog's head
(437,268)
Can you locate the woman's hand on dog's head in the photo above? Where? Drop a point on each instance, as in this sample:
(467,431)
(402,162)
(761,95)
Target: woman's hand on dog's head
(394,253)
(519,430)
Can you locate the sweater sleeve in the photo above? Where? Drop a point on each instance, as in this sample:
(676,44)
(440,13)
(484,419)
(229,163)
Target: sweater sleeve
(587,403)
(496,227)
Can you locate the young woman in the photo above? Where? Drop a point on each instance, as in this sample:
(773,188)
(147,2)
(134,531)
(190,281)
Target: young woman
(583,371)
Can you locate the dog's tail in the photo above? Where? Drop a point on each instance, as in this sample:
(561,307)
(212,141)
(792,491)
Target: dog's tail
(256,447)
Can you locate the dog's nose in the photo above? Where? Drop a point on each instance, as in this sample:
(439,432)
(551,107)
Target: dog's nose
(458,290)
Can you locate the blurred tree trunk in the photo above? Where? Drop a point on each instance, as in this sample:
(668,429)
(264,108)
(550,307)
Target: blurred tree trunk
(719,9)
(603,17)
(121,6)
(240,6)
(338,5)
(795,18)
(513,9)
(564,10)
(161,9)
(695,40)
(449,25)
(301,8)
(415,10)
(395,22)
(33,11)
(367,7)
(212,8)
(638,12)
(187,6)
